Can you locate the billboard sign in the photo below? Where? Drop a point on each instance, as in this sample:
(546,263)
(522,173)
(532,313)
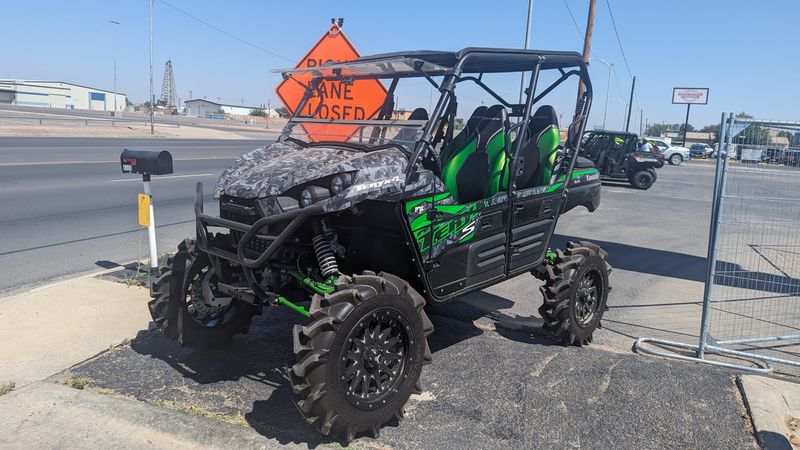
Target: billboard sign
(690,96)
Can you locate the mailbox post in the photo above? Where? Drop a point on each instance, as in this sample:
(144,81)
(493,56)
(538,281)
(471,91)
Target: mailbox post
(147,163)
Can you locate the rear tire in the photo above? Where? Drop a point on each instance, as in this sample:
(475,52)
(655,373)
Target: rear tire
(642,179)
(676,159)
(361,357)
(575,293)
(178,309)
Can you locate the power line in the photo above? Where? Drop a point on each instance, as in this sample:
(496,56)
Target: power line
(574,22)
(577,27)
(618,39)
(225,32)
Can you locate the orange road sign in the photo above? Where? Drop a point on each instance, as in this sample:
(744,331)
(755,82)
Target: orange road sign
(357,101)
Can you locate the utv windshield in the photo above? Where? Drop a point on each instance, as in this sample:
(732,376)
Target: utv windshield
(357,105)
(365,134)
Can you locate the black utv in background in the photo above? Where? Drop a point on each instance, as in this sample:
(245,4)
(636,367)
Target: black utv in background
(616,155)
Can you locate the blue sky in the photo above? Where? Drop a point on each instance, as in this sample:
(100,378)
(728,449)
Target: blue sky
(744,51)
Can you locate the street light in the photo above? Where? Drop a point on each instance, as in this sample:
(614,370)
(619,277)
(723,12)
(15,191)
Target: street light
(114,24)
(150,39)
(608,89)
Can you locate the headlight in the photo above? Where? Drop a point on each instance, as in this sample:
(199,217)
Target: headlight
(313,194)
(340,182)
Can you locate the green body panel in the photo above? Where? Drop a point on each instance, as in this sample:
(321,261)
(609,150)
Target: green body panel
(575,175)
(451,168)
(427,233)
(451,221)
(548,144)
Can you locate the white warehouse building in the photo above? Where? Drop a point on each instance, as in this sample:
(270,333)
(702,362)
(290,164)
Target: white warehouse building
(59,94)
(202,108)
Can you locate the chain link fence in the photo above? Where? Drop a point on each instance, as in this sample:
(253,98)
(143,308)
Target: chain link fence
(751,305)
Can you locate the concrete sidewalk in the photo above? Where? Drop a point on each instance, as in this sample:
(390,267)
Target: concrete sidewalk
(48,415)
(46,330)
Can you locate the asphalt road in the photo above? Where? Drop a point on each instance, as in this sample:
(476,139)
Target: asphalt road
(67,208)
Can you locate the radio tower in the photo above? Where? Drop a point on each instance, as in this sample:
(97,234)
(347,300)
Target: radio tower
(168,92)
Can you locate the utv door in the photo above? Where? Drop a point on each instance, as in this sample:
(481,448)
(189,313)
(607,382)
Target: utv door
(533,214)
(467,243)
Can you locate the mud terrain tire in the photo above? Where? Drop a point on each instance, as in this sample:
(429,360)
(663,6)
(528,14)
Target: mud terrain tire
(369,332)
(174,312)
(575,293)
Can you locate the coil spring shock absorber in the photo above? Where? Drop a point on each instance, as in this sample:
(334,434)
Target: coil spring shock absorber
(323,248)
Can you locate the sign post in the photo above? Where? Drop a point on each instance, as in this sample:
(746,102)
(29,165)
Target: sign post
(337,100)
(689,97)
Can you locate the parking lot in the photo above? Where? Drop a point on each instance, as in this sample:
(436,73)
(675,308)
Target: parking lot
(496,380)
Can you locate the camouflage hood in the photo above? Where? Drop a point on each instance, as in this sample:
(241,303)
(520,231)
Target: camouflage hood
(273,169)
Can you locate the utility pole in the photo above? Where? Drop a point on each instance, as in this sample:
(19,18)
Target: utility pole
(527,39)
(268,112)
(190,94)
(114,24)
(152,96)
(630,103)
(587,42)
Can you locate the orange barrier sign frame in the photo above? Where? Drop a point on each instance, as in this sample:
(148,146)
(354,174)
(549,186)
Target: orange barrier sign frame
(360,100)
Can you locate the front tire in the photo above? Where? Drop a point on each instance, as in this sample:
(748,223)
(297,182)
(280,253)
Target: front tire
(642,179)
(361,357)
(180,308)
(575,293)
(676,159)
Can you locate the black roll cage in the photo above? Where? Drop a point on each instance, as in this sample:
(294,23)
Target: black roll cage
(517,61)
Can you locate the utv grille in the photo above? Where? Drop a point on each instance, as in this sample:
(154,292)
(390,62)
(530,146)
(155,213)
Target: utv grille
(242,211)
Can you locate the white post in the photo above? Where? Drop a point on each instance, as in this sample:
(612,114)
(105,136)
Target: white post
(151,228)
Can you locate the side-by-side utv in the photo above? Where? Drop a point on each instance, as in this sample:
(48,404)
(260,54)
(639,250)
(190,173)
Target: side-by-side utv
(616,155)
(357,224)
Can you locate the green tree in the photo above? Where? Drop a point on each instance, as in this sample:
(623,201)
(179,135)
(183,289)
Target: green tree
(258,112)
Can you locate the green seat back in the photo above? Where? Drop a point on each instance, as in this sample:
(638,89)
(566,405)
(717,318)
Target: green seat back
(547,144)
(478,167)
(469,131)
(539,150)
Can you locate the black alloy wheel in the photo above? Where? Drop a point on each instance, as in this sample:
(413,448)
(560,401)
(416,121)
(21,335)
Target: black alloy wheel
(375,358)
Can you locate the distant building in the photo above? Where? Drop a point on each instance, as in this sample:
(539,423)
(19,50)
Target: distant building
(59,94)
(202,108)
(692,137)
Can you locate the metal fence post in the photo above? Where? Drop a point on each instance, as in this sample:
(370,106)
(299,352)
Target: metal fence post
(716,208)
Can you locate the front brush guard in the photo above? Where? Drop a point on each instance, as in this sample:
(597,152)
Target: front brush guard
(296,217)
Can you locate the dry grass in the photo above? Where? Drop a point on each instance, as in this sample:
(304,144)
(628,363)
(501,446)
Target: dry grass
(6,387)
(198,411)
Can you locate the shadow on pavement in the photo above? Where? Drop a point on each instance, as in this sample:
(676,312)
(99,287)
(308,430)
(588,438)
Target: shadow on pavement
(263,358)
(688,267)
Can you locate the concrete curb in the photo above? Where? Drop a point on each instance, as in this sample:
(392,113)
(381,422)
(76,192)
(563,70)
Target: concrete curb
(774,407)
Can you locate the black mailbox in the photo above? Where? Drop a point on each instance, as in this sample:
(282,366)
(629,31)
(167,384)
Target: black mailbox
(146,162)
